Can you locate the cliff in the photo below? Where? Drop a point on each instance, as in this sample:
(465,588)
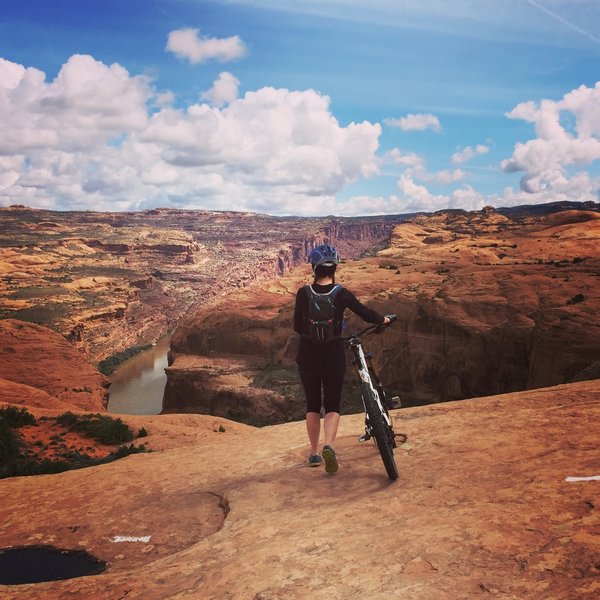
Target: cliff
(38,367)
(482,509)
(486,305)
(112,281)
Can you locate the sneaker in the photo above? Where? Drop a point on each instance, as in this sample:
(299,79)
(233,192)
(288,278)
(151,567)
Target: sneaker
(314,460)
(331,464)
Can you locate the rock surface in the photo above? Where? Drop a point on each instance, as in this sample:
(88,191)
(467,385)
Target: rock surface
(482,509)
(486,304)
(39,367)
(112,281)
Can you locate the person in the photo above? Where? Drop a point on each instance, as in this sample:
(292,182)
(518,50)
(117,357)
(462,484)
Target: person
(322,366)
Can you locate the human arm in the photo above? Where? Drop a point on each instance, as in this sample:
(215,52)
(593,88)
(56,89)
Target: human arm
(300,309)
(366,314)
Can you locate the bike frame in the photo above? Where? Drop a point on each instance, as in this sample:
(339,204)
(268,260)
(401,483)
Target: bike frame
(366,373)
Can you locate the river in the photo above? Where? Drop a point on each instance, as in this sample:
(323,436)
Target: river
(138,384)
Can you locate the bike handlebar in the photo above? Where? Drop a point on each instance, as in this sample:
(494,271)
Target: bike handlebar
(376,328)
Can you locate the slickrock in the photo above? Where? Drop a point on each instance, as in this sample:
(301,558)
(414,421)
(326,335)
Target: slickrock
(482,509)
(37,357)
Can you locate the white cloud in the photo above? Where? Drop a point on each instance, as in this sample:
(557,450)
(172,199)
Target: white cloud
(87,104)
(467,153)
(405,159)
(447,176)
(223,91)
(418,122)
(412,198)
(544,160)
(88,139)
(415,165)
(189,44)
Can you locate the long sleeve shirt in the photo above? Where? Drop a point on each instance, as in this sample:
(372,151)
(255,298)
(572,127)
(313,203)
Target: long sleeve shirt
(328,359)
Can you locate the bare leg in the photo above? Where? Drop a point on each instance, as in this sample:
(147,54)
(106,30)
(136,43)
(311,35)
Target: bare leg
(313,427)
(330,425)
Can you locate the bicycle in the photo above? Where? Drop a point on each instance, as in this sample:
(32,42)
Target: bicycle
(378,423)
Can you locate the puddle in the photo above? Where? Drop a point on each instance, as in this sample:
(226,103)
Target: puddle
(34,564)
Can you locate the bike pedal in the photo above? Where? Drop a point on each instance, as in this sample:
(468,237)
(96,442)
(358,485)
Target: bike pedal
(395,402)
(364,438)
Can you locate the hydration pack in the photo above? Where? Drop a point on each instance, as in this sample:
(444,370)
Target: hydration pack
(321,315)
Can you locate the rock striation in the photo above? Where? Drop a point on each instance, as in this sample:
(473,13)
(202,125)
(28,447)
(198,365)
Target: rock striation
(38,367)
(487,304)
(112,281)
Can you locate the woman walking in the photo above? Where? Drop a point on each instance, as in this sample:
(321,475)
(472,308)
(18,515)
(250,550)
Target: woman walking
(318,317)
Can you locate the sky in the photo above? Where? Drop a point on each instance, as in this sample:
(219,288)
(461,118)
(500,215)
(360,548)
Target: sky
(298,107)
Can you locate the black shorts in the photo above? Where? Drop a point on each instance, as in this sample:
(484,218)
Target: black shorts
(332,391)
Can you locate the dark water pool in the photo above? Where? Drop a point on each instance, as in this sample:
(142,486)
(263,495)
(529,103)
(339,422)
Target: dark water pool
(34,564)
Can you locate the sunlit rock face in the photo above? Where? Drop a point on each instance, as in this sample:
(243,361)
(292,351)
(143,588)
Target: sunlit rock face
(487,303)
(111,281)
(39,367)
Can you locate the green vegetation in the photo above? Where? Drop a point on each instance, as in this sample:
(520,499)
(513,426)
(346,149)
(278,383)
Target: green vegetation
(108,365)
(27,293)
(13,417)
(9,445)
(576,299)
(43,314)
(101,428)
(142,432)
(16,459)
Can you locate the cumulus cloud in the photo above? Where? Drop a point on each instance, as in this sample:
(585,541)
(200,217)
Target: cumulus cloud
(88,139)
(545,159)
(189,44)
(412,197)
(447,176)
(467,153)
(405,159)
(223,91)
(415,165)
(418,122)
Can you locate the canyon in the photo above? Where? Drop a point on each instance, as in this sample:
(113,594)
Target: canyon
(487,303)
(109,282)
(497,495)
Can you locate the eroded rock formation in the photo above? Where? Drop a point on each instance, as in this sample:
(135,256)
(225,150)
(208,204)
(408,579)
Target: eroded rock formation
(38,367)
(111,281)
(486,304)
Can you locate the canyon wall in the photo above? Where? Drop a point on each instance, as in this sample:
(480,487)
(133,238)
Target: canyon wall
(111,281)
(486,305)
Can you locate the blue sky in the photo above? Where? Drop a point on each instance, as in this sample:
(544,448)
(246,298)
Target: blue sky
(297,107)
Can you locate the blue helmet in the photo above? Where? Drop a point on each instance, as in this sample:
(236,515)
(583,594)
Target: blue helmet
(323,255)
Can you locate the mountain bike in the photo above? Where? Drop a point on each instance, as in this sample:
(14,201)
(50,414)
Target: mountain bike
(378,423)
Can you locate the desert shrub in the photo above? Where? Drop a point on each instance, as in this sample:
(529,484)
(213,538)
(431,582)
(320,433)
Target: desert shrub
(576,299)
(13,416)
(28,466)
(109,364)
(125,450)
(9,444)
(43,314)
(142,432)
(101,428)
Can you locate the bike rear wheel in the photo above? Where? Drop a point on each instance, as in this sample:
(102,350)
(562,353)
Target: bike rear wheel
(382,433)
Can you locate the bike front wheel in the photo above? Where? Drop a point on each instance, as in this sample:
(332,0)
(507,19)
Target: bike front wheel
(382,432)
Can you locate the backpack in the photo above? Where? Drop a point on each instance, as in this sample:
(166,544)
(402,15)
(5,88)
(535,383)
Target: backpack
(321,315)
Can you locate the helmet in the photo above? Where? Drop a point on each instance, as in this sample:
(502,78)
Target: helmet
(323,255)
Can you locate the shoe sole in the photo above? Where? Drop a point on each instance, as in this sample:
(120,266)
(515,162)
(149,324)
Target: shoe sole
(331,464)
(316,464)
